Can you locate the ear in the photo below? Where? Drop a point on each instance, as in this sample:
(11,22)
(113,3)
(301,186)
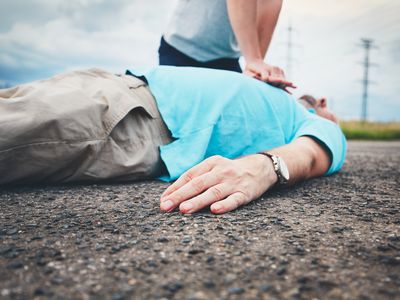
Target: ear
(322,102)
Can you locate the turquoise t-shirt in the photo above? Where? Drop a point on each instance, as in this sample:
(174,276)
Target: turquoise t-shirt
(214,112)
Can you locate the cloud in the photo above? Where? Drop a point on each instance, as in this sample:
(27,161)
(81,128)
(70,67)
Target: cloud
(39,38)
(80,33)
(327,56)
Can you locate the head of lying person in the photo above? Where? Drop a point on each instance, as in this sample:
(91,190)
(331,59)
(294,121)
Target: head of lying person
(319,106)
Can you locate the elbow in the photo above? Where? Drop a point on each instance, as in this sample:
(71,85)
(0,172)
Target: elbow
(319,159)
(321,163)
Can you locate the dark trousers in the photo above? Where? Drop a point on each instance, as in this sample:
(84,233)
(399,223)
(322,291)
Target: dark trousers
(168,55)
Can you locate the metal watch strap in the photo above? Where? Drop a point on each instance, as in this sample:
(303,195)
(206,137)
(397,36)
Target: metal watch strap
(281,180)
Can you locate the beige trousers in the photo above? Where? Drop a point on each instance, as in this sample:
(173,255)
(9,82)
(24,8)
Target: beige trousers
(81,126)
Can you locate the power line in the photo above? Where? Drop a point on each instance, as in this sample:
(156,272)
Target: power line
(367,44)
(289,51)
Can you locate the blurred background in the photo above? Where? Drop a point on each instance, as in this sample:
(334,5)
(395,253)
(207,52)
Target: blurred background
(322,45)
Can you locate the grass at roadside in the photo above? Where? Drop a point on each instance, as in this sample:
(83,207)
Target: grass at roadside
(356,130)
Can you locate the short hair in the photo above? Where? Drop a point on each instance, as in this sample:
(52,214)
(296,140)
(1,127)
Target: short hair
(308,101)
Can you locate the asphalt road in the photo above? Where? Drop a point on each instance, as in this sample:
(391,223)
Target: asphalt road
(330,238)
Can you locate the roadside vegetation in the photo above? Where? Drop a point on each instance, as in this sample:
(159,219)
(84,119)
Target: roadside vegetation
(357,130)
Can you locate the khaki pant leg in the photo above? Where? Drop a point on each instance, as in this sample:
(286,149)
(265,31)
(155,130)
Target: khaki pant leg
(56,130)
(131,151)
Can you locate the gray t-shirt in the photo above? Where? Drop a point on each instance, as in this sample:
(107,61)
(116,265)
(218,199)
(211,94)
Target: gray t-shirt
(201,29)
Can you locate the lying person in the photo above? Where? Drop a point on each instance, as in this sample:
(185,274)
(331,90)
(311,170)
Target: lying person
(225,137)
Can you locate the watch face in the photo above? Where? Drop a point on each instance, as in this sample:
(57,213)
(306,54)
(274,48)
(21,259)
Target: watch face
(284,169)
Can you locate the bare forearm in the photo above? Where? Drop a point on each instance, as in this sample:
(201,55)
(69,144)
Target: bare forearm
(253,22)
(305,159)
(267,16)
(243,18)
(225,184)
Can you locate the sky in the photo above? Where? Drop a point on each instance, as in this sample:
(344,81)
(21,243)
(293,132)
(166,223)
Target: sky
(39,38)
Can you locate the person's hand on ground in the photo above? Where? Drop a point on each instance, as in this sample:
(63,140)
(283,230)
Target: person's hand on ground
(221,183)
(270,74)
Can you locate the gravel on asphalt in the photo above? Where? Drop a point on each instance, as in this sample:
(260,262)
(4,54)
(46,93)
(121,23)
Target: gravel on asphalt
(334,237)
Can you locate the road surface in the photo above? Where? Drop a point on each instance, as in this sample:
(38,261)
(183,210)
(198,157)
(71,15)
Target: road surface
(330,238)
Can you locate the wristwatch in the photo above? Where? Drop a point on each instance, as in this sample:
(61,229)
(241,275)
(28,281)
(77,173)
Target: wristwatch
(280,167)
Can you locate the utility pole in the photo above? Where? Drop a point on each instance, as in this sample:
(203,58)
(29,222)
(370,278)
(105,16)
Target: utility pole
(367,44)
(289,57)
